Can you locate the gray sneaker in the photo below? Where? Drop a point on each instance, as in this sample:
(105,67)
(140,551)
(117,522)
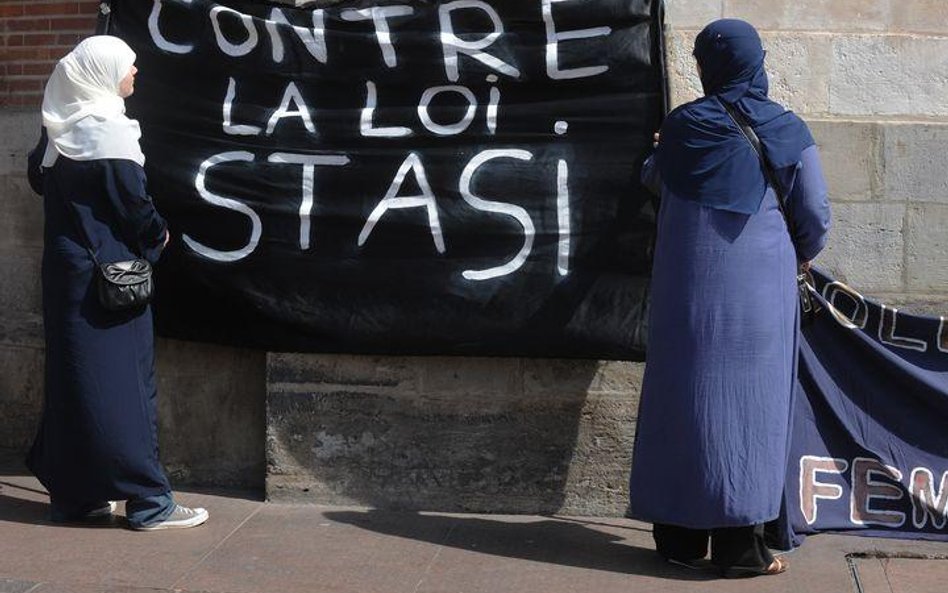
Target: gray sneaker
(180,518)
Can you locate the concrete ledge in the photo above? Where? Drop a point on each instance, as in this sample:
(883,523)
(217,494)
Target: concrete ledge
(459,434)
(20,283)
(22,222)
(21,395)
(211,413)
(210,404)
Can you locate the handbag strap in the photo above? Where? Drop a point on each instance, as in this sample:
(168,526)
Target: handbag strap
(768,170)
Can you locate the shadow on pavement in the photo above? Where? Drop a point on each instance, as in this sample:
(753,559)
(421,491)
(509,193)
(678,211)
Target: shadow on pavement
(565,542)
(21,510)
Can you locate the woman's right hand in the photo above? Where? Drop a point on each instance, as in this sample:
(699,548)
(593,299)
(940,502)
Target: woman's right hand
(167,238)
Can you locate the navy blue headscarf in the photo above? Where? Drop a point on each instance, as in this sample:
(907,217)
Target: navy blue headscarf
(702,154)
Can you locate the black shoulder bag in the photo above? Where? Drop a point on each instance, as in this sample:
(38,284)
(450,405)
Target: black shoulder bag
(121,285)
(808,306)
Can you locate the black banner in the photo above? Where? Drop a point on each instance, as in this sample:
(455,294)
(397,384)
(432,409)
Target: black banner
(401,177)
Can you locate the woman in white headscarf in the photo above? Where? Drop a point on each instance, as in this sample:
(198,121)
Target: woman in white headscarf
(98,438)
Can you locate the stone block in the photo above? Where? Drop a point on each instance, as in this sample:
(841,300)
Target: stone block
(488,381)
(889,75)
(21,288)
(813,15)
(920,16)
(22,222)
(478,434)
(21,395)
(211,406)
(597,482)
(21,329)
(683,81)
(620,377)
(382,451)
(548,378)
(916,162)
(866,246)
(799,66)
(851,156)
(365,372)
(926,247)
(19,132)
(692,14)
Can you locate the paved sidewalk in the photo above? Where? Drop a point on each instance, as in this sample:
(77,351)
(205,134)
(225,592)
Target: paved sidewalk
(250,546)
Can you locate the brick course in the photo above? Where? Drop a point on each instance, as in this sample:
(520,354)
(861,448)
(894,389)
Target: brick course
(34,34)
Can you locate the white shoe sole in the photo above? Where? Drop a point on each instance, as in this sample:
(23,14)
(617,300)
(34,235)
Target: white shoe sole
(198,519)
(103,511)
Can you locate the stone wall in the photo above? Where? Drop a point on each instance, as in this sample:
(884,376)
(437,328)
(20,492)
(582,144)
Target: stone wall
(870,76)
(459,434)
(871,79)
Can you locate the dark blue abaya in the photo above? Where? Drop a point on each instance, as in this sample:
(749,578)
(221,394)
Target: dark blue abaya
(713,428)
(98,436)
(714,419)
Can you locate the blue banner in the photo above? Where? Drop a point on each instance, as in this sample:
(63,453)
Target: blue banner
(869,446)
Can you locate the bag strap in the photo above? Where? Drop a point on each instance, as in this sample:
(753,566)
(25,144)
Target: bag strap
(769,172)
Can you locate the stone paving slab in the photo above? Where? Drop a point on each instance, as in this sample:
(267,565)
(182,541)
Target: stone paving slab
(293,548)
(906,575)
(33,549)
(254,547)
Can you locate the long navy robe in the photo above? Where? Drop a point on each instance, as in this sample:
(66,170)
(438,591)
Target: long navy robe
(713,428)
(98,438)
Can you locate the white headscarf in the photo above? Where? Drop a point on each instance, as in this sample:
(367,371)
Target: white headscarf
(83,113)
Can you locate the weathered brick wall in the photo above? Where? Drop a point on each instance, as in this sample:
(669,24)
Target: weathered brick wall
(34,34)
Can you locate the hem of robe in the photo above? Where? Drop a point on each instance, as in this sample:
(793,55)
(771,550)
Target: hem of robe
(94,494)
(722,523)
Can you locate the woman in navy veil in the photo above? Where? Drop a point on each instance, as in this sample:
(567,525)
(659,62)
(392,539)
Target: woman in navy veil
(712,439)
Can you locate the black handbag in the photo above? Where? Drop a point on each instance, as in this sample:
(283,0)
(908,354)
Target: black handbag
(124,285)
(809,306)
